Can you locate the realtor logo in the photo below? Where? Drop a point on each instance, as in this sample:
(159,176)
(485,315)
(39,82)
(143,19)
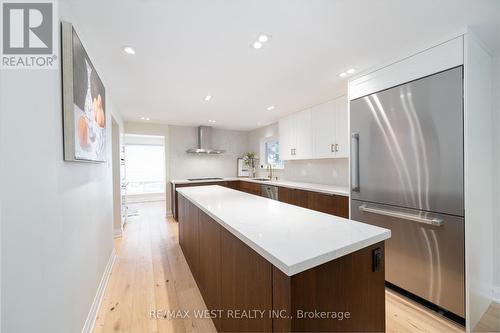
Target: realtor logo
(28,35)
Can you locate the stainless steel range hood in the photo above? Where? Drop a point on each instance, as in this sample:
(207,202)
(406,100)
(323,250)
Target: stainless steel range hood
(205,142)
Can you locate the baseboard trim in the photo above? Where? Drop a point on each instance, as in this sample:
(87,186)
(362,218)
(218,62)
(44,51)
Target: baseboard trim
(88,327)
(496,294)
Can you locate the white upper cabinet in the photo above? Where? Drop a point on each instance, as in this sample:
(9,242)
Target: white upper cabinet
(303,135)
(287,137)
(295,136)
(341,127)
(319,132)
(439,58)
(323,122)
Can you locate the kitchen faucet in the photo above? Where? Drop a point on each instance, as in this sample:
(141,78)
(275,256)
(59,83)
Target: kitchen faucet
(270,171)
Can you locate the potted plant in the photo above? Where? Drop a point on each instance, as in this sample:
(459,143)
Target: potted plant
(250,159)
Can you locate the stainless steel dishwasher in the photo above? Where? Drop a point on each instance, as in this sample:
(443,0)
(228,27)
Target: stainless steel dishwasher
(269,191)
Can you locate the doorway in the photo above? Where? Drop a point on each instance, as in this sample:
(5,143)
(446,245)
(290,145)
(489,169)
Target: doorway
(144,168)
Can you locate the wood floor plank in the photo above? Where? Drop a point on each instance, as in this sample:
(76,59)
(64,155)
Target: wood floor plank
(151,273)
(403,315)
(165,292)
(490,322)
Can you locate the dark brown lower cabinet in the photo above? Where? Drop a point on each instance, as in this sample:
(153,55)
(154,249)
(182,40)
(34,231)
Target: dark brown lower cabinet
(189,233)
(294,196)
(246,285)
(252,188)
(234,184)
(209,270)
(344,285)
(329,203)
(344,295)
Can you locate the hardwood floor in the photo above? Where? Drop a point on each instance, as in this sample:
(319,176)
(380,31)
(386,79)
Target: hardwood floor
(150,273)
(404,315)
(490,321)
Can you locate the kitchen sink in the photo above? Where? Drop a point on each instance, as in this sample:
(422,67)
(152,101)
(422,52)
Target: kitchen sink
(262,179)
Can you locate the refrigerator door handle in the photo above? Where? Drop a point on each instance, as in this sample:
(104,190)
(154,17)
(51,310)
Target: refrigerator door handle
(435,221)
(355,162)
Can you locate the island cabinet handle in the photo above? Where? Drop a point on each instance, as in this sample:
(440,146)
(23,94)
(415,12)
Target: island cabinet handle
(436,221)
(332,148)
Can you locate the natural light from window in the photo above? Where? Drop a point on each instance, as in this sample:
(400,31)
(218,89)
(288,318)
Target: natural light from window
(144,169)
(272,153)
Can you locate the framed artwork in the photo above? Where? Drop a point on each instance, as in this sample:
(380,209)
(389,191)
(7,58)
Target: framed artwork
(84,102)
(242,168)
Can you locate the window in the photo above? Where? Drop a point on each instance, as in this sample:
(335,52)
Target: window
(270,153)
(145,169)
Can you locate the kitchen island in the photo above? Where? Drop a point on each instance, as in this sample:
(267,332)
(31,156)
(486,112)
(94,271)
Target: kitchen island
(263,265)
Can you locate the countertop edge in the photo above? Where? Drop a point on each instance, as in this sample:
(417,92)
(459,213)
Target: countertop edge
(299,267)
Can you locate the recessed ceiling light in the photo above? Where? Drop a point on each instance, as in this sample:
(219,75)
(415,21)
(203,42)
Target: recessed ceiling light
(350,70)
(144,118)
(211,121)
(269,108)
(343,74)
(263,38)
(208,97)
(128,50)
(257,45)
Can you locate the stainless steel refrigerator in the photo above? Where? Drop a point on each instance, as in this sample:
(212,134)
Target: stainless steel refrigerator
(407,175)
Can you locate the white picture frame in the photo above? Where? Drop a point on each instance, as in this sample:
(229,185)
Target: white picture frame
(243,170)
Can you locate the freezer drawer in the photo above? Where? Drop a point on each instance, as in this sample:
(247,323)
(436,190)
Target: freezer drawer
(407,145)
(425,254)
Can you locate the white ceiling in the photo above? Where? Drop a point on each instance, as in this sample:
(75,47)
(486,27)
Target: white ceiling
(187,49)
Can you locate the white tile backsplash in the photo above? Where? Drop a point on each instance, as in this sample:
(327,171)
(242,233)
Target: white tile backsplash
(323,171)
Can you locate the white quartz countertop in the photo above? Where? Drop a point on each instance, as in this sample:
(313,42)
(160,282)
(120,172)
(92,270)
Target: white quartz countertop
(328,189)
(292,238)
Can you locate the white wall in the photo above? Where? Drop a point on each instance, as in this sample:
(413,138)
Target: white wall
(181,165)
(496,115)
(255,138)
(184,165)
(56,216)
(321,171)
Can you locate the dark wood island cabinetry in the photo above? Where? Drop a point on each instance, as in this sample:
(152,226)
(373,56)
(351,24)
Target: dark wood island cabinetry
(254,295)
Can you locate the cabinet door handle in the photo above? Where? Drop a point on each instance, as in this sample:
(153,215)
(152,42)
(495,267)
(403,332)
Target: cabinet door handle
(332,148)
(336,148)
